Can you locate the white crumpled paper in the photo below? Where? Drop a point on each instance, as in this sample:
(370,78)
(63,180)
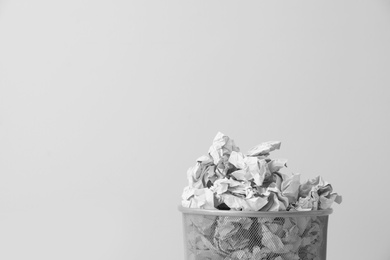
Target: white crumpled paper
(226,178)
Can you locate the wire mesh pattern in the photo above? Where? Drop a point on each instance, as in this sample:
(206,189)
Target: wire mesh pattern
(210,237)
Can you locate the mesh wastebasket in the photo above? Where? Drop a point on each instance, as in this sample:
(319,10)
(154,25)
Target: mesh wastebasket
(246,235)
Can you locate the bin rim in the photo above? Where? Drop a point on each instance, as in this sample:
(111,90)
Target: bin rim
(265,214)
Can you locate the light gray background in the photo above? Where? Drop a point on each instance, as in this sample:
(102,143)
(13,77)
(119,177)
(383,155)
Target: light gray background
(105,104)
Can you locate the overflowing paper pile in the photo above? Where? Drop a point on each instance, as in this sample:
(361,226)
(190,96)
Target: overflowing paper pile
(227,179)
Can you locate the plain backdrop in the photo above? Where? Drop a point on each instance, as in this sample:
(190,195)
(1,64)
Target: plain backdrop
(104,105)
